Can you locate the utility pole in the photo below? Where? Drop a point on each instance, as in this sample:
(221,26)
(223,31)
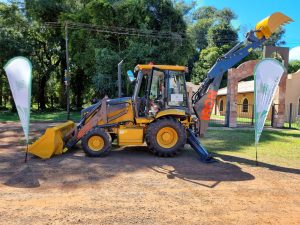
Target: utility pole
(67,71)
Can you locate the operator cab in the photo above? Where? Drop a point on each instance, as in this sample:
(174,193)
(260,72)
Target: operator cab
(159,87)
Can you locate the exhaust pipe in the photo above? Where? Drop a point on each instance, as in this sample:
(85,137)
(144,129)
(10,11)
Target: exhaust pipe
(120,79)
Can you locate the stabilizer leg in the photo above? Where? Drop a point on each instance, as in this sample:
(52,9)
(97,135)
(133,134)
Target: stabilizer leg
(196,145)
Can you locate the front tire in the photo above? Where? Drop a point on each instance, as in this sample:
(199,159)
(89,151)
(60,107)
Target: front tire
(96,142)
(166,137)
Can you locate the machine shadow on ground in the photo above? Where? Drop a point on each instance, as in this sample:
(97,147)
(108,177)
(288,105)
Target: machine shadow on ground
(74,168)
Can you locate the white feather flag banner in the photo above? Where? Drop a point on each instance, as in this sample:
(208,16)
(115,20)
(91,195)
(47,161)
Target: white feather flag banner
(18,71)
(267,75)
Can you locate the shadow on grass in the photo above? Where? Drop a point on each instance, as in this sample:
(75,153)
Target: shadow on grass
(74,169)
(240,160)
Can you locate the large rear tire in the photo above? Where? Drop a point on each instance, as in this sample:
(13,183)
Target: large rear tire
(96,142)
(166,137)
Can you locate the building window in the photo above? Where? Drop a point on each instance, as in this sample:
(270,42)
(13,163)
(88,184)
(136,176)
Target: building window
(299,107)
(221,106)
(245,105)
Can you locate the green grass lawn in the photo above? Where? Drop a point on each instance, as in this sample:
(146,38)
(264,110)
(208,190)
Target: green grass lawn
(280,147)
(239,119)
(47,116)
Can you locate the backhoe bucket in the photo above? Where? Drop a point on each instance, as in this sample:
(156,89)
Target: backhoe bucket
(268,26)
(52,142)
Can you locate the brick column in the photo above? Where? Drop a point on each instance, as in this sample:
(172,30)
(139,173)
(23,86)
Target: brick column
(279,98)
(232,89)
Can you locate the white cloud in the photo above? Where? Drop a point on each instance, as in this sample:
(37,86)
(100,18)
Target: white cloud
(294,54)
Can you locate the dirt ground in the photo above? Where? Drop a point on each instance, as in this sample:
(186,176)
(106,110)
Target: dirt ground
(131,186)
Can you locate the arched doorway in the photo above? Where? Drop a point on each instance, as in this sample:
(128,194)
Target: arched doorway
(235,75)
(245,105)
(221,106)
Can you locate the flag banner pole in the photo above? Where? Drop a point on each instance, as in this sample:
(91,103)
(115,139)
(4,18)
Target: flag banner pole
(255,118)
(256,162)
(26,152)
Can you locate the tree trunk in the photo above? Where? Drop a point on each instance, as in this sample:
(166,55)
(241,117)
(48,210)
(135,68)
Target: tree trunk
(12,102)
(42,90)
(79,86)
(62,94)
(52,101)
(63,67)
(1,89)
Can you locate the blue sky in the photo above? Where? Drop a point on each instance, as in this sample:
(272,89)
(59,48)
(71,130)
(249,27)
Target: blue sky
(252,11)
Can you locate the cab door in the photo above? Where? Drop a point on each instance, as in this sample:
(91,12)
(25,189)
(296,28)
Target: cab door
(156,96)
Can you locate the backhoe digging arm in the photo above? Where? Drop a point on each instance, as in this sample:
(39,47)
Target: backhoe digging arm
(203,100)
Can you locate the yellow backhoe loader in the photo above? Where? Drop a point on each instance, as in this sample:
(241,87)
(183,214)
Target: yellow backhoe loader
(158,111)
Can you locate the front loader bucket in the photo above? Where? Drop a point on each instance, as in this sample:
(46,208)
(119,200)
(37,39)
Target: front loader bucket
(52,142)
(268,26)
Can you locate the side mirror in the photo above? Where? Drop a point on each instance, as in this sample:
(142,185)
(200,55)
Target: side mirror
(130,76)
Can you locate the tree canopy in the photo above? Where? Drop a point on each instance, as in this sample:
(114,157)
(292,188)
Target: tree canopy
(101,33)
(213,35)
(94,52)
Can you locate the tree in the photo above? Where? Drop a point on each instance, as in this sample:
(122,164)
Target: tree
(207,59)
(203,18)
(209,18)
(93,54)
(184,7)
(45,11)
(206,12)
(214,36)
(225,15)
(102,52)
(198,33)
(12,42)
(221,34)
(294,66)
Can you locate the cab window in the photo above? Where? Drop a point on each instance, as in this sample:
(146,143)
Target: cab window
(157,86)
(176,89)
